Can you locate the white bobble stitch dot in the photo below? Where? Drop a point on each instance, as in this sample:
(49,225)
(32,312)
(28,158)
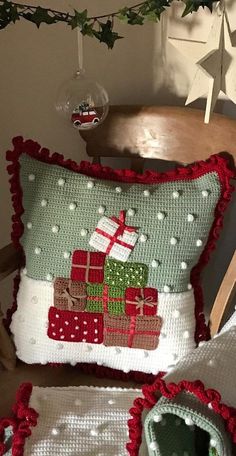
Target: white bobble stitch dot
(166,289)
(186,335)
(157,418)
(173,241)
(49,276)
(94,432)
(189,421)
(90,184)
(163,335)
(201,343)
(184,265)
(31,177)
(37,250)
(205,193)
(155,263)
(176,194)
(72,206)
(61,182)
(176,314)
(160,215)
(55,229)
(199,243)
(190,218)
(146,193)
(29,225)
(118,189)
(83,232)
(66,255)
(213,443)
(211,362)
(60,346)
(111,402)
(190,286)
(131,212)
(118,350)
(153,446)
(44,203)
(89,348)
(101,209)
(143,238)
(55,431)
(32,341)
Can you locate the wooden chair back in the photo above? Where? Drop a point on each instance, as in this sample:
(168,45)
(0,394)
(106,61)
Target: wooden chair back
(172,134)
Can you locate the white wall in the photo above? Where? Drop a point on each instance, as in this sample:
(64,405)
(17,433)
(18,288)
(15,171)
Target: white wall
(142,69)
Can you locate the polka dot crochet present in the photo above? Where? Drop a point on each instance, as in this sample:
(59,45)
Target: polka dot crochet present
(112,230)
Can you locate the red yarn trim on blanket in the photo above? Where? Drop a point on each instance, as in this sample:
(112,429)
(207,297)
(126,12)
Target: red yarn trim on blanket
(25,417)
(170,391)
(215,163)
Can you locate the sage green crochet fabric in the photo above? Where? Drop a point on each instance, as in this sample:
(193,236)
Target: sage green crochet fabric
(58,205)
(171,436)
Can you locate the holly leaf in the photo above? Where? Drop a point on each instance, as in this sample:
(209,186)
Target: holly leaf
(79,19)
(8,14)
(106,34)
(39,16)
(194,5)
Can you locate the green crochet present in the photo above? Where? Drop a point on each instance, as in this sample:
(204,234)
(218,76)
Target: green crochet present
(125,274)
(102,298)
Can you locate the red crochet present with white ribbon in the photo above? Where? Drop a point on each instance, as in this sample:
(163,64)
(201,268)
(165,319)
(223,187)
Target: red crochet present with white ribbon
(88,266)
(75,326)
(113,237)
(141,301)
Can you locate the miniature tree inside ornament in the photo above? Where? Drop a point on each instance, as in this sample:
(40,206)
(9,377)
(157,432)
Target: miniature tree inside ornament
(83,102)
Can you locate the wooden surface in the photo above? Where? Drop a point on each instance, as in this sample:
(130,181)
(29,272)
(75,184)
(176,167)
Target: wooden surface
(224,296)
(166,133)
(10,260)
(47,376)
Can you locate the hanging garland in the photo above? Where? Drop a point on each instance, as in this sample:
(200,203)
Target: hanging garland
(100,27)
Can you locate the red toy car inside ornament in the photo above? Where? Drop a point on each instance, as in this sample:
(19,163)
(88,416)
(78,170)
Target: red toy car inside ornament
(84,115)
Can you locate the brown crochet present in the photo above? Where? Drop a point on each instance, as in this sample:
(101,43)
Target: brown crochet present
(69,294)
(134,332)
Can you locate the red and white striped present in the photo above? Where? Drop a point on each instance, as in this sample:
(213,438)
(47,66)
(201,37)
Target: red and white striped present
(113,237)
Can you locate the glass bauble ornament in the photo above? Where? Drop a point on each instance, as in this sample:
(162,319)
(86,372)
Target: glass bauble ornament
(83,102)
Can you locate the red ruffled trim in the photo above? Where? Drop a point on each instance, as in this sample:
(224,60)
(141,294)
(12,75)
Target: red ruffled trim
(25,416)
(215,163)
(170,391)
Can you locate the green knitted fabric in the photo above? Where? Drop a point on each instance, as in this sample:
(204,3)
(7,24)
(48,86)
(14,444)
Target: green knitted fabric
(125,274)
(95,305)
(172,436)
(53,228)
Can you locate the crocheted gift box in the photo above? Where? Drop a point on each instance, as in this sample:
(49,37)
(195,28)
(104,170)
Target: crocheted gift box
(69,294)
(175,219)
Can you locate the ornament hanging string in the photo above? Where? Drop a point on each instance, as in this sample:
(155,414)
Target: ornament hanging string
(80,52)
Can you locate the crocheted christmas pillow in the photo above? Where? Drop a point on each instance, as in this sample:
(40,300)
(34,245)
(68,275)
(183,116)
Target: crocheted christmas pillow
(113,259)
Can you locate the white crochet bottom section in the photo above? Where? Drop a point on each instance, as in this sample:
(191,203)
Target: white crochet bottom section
(30,322)
(82,420)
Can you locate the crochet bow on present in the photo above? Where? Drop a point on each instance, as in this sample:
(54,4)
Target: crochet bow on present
(72,299)
(141,302)
(122,226)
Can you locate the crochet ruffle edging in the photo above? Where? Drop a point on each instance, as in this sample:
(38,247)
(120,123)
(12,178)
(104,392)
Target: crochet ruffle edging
(170,391)
(215,163)
(25,418)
